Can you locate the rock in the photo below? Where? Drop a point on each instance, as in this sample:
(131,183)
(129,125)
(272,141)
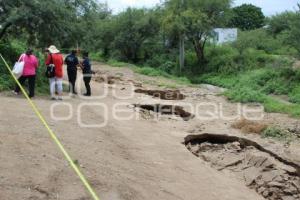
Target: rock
(267,165)
(261,190)
(270,175)
(287,198)
(275,184)
(235,146)
(250,175)
(291,190)
(296,183)
(206,146)
(256,161)
(259,182)
(279,179)
(289,169)
(260,161)
(265,193)
(110,82)
(231,160)
(194,149)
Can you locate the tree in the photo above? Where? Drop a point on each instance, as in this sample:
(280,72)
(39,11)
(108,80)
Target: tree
(132,29)
(286,27)
(46,22)
(196,19)
(281,22)
(247,17)
(294,34)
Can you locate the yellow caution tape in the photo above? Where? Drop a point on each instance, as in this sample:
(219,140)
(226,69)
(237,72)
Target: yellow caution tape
(54,137)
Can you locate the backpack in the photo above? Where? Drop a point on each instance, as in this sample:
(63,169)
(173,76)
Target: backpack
(50,71)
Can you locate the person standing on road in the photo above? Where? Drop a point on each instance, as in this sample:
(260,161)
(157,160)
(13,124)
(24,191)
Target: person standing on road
(56,83)
(72,62)
(31,63)
(87,73)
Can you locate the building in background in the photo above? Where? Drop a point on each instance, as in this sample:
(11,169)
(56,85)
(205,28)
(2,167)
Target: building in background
(224,35)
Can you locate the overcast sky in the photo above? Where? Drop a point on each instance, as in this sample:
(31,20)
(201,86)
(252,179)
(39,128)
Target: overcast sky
(270,7)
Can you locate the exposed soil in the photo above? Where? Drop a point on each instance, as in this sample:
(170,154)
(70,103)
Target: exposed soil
(163,94)
(102,77)
(270,175)
(131,159)
(248,126)
(166,110)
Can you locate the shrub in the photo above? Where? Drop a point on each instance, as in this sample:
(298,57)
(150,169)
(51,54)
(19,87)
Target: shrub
(245,95)
(149,71)
(294,95)
(11,51)
(168,67)
(258,39)
(222,59)
(274,132)
(253,58)
(191,61)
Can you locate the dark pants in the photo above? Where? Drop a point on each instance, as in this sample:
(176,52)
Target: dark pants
(72,75)
(87,80)
(31,84)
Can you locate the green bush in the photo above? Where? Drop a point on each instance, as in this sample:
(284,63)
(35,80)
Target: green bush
(191,61)
(168,67)
(253,59)
(245,95)
(11,52)
(274,132)
(223,59)
(259,39)
(294,95)
(149,71)
(96,57)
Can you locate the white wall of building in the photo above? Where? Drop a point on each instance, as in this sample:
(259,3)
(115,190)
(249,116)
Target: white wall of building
(225,35)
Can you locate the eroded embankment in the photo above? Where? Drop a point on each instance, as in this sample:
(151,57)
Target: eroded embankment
(163,94)
(166,110)
(269,174)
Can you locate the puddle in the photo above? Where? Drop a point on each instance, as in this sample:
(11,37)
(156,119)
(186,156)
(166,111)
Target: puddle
(260,169)
(163,94)
(166,110)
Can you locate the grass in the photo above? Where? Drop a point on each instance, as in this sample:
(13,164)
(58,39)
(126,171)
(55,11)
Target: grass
(277,133)
(257,85)
(245,87)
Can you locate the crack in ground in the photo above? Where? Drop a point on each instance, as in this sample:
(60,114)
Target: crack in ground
(162,94)
(166,110)
(272,176)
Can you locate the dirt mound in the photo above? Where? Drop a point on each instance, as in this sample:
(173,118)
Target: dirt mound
(166,110)
(163,94)
(248,126)
(136,84)
(102,77)
(270,175)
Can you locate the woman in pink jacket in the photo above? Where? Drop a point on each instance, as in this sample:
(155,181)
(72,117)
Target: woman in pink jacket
(29,71)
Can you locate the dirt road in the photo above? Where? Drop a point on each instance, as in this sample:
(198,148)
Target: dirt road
(133,159)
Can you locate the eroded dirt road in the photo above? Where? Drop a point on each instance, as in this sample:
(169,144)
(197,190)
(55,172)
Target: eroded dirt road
(142,157)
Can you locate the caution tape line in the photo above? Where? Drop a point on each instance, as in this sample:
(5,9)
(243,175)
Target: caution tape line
(54,137)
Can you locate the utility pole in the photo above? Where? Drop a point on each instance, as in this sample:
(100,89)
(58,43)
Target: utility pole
(181,45)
